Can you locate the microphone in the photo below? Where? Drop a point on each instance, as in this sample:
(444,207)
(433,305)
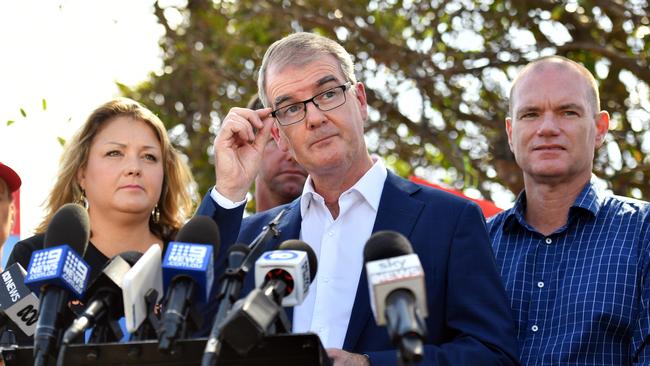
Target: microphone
(288,270)
(397,291)
(188,273)
(104,303)
(142,288)
(17,302)
(57,272)
(239,262)
(284,276)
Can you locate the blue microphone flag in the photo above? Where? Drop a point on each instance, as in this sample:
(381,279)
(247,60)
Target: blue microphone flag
(59,266)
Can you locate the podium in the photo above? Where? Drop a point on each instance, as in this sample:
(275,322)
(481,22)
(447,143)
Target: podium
(277,350)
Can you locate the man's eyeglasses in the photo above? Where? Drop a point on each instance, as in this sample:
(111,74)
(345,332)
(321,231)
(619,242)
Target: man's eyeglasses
(325,101)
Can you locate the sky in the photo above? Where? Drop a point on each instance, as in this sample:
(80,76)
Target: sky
(70,54)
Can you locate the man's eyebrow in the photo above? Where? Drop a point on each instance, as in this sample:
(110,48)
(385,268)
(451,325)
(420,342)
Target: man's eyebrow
(320,82)
(325,79)
(571,106)
(526,108)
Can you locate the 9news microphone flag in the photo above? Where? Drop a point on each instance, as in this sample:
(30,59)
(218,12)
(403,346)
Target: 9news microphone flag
(188,273)
(58,272)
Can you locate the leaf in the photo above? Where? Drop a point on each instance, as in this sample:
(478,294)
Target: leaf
(44,102)
(10,122)
(22,111)
(61,140)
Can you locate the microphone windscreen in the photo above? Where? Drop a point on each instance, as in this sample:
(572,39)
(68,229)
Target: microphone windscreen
(386,244)
(295,244)
(239,247)
(200,230)
(69,225)
(130,257)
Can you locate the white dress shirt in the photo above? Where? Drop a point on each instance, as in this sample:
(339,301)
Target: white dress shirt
(338,244)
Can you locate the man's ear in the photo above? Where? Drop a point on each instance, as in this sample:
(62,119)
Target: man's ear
(360,94)
(509,133)
(12,214)
(279,137)
(602,126)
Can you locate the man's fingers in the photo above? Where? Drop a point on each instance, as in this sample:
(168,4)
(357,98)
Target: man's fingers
(264,134)
(238,128)
(264,113)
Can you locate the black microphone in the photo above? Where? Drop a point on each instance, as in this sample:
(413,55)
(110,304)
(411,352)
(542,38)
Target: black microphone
(284,276)
(188,273)
(104,302)
(397,292)
(57,272)
(238,267)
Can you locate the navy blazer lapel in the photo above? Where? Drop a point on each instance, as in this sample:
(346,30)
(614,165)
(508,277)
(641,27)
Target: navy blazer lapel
(397,211)
(290,224)
(290,229)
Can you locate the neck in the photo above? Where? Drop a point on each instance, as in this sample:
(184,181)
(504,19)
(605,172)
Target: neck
(265,198)
(115,234)
(331,186)
(547,205)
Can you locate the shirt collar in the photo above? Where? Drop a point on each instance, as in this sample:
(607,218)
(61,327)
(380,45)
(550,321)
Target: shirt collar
(369,186)
(589,200)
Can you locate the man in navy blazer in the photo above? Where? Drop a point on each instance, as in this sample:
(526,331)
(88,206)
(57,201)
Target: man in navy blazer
(317,111)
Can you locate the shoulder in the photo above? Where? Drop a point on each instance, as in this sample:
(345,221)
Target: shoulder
(430,197)
(262,218)
(626,205)
(22,251)
(496,222)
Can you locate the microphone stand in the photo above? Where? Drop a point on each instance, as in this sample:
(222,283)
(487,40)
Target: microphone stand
(407,332)
(233,280)
(150,325)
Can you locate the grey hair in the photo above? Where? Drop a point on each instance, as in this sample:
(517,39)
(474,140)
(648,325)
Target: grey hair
(299,49)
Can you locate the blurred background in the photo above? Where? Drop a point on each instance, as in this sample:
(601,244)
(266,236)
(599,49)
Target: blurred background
(437,74)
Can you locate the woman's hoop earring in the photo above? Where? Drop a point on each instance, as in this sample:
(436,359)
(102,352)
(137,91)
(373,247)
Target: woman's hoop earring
(83,200)
(155,214)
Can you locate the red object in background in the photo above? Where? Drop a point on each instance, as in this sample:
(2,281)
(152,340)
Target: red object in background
(16,229)
(488,207)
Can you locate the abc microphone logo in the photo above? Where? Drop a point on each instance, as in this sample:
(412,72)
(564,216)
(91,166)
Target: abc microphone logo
(17,301)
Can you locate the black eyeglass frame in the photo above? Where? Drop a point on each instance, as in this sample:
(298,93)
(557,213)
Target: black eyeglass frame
(343,87)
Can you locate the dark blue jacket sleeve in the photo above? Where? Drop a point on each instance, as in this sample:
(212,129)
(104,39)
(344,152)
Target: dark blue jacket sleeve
(478,322)
(229,221)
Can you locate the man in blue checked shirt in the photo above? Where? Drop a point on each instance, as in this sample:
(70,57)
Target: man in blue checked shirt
(574,259)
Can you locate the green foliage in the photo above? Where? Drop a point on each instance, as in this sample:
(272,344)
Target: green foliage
(451,60)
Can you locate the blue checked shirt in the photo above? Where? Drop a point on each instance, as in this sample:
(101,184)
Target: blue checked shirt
(580,296)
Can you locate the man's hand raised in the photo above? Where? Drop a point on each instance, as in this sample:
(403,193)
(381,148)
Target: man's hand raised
(238,150)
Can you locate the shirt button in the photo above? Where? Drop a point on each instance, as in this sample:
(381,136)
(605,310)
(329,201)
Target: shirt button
(534,328)
(330,233)
(540,284)
(326,280)
(548,240)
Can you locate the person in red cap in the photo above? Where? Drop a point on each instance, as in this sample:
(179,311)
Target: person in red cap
(9,183)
